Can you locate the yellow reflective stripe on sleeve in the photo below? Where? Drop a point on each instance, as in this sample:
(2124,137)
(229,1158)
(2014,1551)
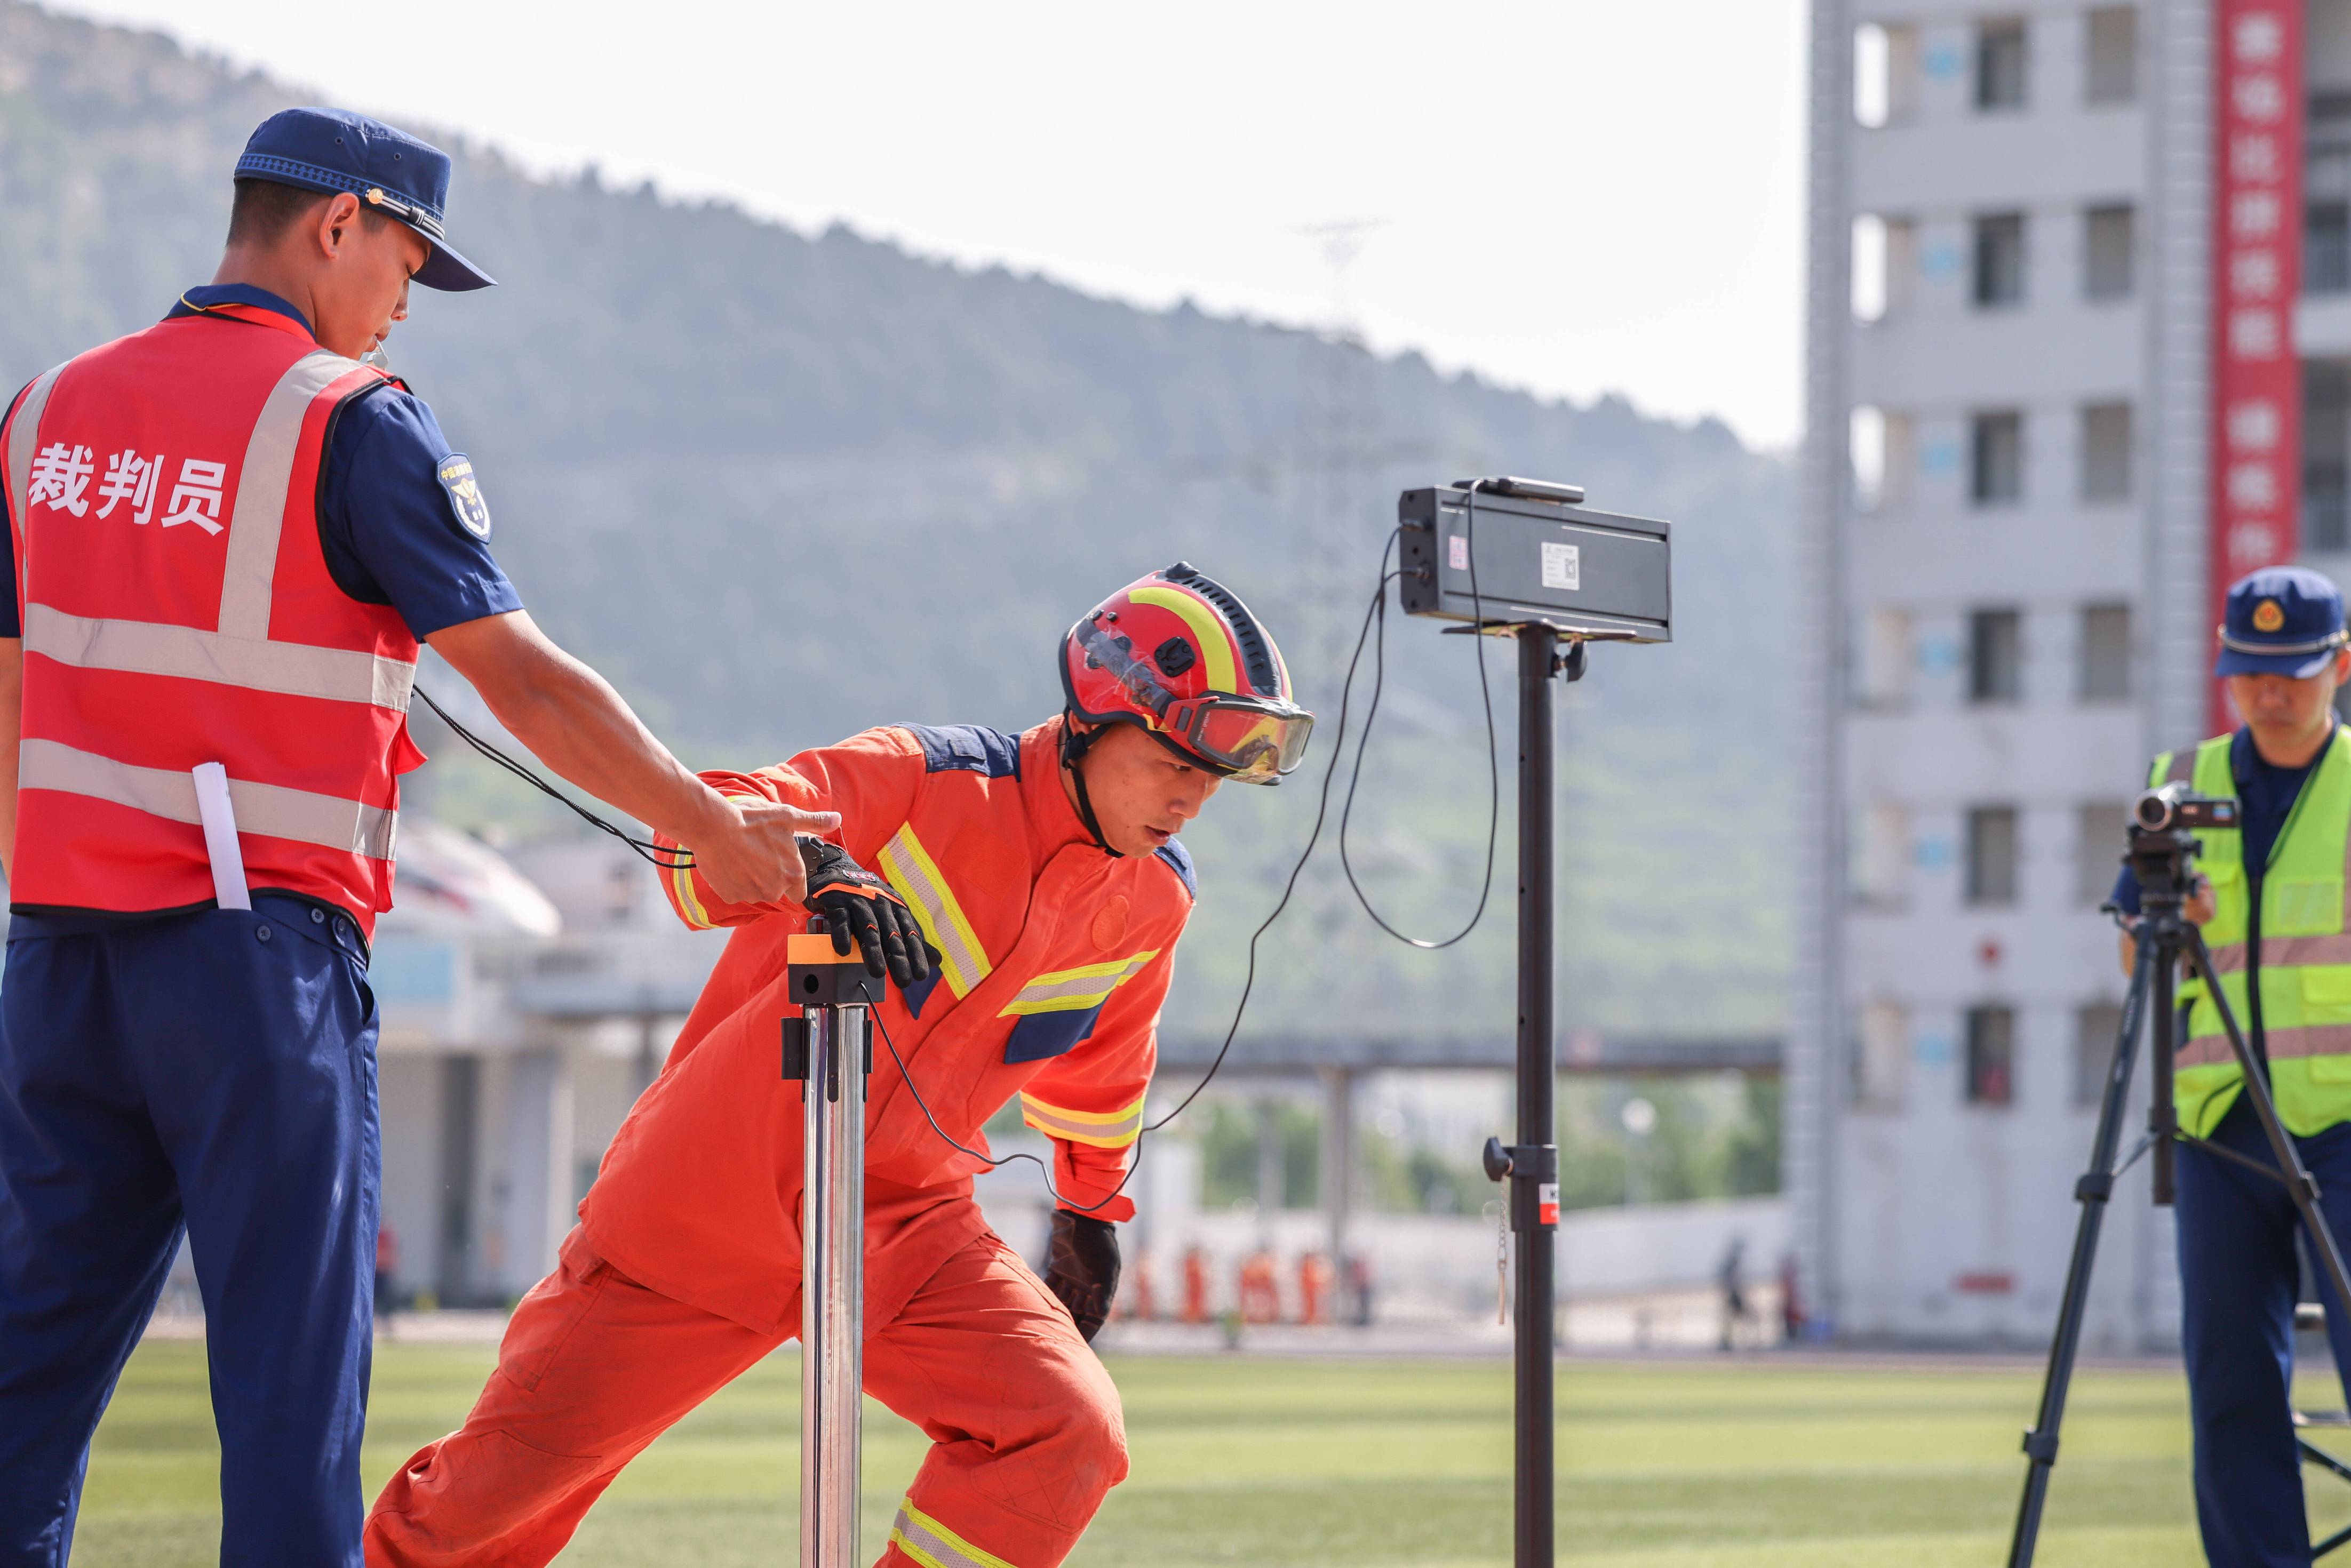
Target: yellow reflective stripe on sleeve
(689,907)
(1103,1129)
(681,879)
(1075,990)
(917,878)
(933,1545)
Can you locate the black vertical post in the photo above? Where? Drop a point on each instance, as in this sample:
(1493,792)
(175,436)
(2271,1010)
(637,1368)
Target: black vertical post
(1534,1174)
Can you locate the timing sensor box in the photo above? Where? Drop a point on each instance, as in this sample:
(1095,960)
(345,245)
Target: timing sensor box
(1538,561)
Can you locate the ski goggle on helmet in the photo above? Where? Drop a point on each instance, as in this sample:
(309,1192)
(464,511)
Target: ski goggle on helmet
(1178,655)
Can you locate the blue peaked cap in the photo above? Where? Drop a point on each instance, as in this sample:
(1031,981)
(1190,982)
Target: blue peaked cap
(2281,620)
(333,150)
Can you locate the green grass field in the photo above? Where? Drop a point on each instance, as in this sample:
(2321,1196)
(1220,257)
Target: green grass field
(1749,1464)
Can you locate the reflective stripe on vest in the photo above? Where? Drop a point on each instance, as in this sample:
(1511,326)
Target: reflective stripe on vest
(2306,951)
(325,820)
(156,648)
(25,439)
(261,487)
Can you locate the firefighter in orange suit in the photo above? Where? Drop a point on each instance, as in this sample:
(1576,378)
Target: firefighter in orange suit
(1045,875)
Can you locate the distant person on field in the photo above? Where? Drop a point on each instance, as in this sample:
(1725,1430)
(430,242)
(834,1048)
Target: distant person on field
(1730,1277)
(1359,1288)
(1195,1283)
(228,535)
(387,1267)
(1791,1299)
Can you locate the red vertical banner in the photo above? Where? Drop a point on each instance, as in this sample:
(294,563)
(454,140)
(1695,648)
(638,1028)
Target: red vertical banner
(2257,273)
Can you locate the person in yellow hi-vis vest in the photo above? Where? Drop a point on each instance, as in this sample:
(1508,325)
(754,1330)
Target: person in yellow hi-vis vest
(2272,905)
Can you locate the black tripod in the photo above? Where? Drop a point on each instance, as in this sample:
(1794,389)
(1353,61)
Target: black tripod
(2162,839)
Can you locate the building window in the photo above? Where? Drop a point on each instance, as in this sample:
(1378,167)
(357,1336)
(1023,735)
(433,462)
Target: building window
(1996,459)
(2095,1029)
(1991,1056)
(2000,260)
(2113,55)
(2106,452)
(1866,446)
(1883,449)
(2104,669)
(1995,656)
(1886,61)
(2327,247)
(1885,260)
(1881,855)
(1999,64)
(2097,851)
(2109,244)
(2325,446)
(1883,1061)
(1992,854)
(1881,659)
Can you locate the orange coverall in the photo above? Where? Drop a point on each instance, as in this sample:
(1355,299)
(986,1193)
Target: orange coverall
(685,1268)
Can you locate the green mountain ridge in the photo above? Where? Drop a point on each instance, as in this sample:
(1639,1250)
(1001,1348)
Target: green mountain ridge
(782,486)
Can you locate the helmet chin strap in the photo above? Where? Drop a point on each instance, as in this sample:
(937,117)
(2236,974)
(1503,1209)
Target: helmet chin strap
(1074,746)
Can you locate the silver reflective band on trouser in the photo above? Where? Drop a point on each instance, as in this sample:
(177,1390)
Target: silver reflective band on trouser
(270,811)
(24,440)
(933,1545)
(191,653)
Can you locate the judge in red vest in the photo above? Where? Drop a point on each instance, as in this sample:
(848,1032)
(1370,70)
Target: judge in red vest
(228,535)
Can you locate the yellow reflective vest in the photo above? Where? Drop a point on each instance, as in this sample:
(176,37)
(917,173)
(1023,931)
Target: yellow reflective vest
(2304,949)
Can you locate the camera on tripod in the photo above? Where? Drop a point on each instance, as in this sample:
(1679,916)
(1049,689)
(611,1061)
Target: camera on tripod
(2175,807)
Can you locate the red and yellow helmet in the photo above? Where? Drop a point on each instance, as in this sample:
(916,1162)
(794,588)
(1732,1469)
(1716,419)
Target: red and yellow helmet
(1178,654)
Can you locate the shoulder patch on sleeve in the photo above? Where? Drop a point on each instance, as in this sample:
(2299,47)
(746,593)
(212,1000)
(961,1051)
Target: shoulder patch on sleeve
(968,749)
(455,473)
(1179,860)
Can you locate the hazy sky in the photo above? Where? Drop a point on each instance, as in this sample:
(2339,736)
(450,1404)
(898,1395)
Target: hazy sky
(1574,197)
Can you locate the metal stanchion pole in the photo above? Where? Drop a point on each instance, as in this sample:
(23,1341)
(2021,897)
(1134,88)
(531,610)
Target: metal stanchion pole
(1534,1173)
(830,1048)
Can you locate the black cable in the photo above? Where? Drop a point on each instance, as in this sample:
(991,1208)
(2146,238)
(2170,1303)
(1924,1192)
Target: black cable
(679,859)
(1375,613)
(999,1161)
(1248,980)
(1493,749)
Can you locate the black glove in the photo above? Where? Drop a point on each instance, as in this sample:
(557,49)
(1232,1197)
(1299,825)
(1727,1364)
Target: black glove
(859,908)
(1082,1268)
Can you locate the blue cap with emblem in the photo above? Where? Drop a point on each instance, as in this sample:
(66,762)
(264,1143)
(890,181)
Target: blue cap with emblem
(334,149)
(2281,620)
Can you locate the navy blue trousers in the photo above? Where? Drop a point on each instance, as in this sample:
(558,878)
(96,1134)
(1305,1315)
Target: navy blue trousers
(210,1074)
(2239,1273)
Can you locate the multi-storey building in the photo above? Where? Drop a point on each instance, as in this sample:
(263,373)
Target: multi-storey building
(2079,351)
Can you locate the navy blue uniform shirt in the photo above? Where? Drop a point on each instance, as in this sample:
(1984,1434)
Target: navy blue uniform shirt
(2265,797)
(388,530)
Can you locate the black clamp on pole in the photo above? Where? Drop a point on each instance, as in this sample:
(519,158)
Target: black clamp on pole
(817,976)
(1532,1170)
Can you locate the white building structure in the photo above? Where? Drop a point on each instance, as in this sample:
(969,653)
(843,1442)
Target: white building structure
(525,1003)
(2052,245)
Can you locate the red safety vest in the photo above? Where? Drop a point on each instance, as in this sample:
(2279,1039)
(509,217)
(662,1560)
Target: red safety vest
(177,610)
